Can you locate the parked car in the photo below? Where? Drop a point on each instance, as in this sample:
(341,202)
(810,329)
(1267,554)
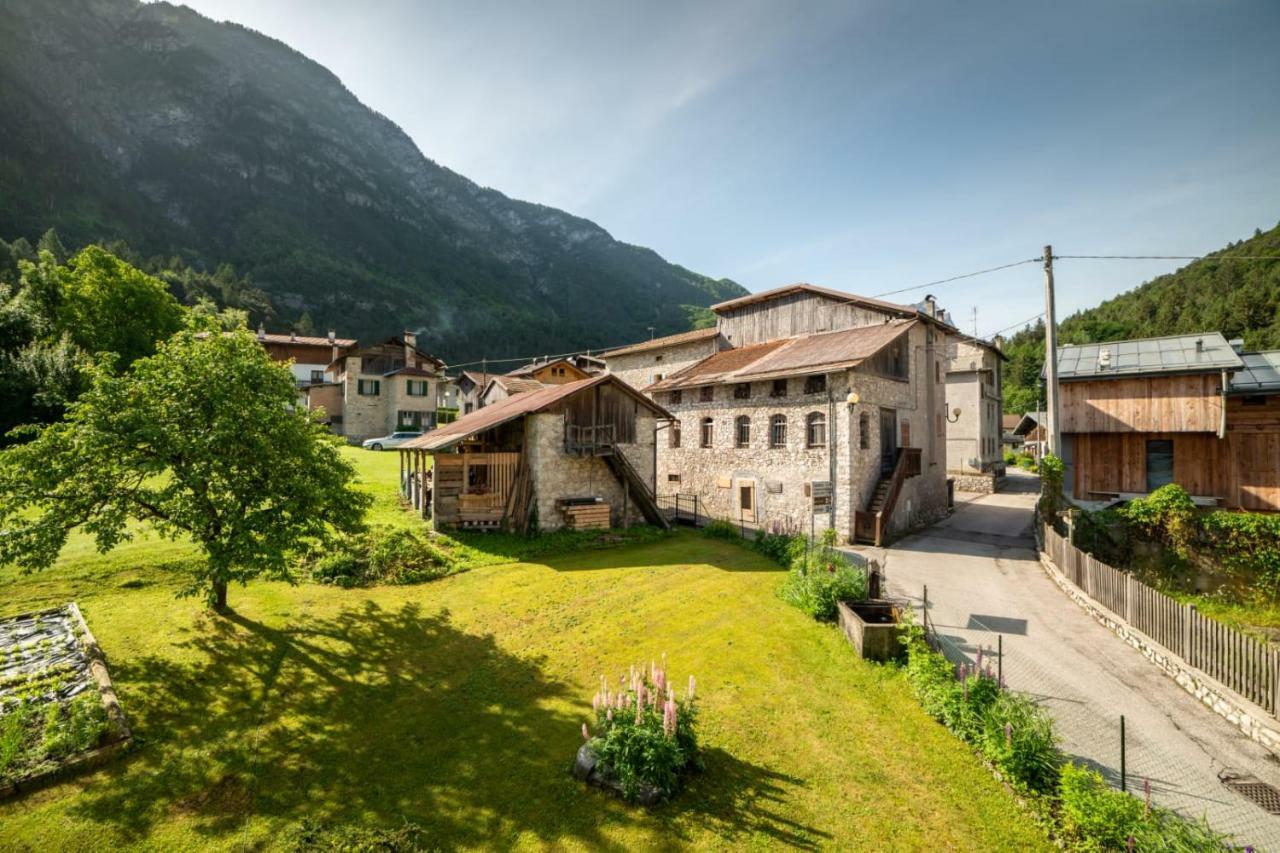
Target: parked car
(394,440)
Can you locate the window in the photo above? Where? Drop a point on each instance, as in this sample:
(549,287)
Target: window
(368,387)
(417,387)
(742,391)
(467,408)
(657,377)
(816,429)
(673,478)
(742,431)
(477,478)
(657,358)
(1251,400)
(708,431)
(778,431)
(1159,463)
(937,371)
(675,434)
(677,397)
(705,393)
(779,388)
(864,431)
(815,384)
(317,376)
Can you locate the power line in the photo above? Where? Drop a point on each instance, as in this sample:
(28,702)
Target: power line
(958,277)
(1014,326)
(1168,257)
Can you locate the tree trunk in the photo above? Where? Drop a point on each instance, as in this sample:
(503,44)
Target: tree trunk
(220,596)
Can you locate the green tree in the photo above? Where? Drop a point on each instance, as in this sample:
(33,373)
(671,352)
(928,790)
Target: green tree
(110,306)
(200,440)
(50,242)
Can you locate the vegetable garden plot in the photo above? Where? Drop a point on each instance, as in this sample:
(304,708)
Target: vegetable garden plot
(57,708)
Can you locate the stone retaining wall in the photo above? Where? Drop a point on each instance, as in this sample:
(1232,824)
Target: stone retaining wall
(983,484)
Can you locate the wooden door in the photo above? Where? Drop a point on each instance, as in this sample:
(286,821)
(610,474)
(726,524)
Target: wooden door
(888,439)
(747,500)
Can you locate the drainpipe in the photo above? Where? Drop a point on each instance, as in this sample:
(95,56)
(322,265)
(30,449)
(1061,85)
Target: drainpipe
(831,452)
(1222,419)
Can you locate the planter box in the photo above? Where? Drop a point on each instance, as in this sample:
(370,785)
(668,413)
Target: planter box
(872,628)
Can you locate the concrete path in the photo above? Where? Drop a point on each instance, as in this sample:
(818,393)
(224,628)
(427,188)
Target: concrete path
(984,580)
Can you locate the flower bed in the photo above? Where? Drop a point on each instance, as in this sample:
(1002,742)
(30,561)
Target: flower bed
(57,708)
(644,741)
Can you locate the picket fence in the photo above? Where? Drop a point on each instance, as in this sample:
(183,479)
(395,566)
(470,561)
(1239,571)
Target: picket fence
(1239,662)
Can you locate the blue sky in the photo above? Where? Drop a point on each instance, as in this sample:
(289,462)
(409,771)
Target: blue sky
(865,146)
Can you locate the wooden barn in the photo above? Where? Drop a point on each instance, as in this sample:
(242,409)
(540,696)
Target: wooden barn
(579,454)
(1191,409)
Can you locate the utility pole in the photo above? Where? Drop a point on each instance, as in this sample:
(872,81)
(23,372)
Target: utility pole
(1051,356)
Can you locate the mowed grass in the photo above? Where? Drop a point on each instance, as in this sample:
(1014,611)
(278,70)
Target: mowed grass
(458,705)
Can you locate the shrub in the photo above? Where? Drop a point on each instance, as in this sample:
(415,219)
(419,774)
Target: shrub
(311,836)
(645,734)
(817,582)
(1168,515)
(1017,737)
(1245,542)
(383,555)
(722,530)
(73,726)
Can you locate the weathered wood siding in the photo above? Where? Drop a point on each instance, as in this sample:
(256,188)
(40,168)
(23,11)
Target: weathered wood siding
(794,314)
(1151,404)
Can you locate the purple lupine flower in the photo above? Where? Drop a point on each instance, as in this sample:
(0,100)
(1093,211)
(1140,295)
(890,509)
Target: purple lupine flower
(586,733)
(979,664)
(595,702)
(669,719)
(608,715)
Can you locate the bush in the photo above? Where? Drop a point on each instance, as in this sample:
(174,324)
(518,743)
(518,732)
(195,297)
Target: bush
(383,555)
(1017,737)
(1247,543)
(645,734)
(1167,515)
(311,836)
(817,582)
(722,530)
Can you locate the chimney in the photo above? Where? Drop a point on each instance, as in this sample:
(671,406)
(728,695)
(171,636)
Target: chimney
(410,344)
(262,332)
(1237,344)
(333,336)
(1199,345)
(293,335)
(932,305)
(998,342)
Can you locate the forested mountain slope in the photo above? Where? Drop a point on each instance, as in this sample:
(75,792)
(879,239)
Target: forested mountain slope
(1223,292)
(178,135)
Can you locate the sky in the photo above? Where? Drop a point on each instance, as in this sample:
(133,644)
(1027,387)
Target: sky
(864,146)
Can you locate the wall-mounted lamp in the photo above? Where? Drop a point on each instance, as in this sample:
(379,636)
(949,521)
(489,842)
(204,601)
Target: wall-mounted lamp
(853,398)
(955,415)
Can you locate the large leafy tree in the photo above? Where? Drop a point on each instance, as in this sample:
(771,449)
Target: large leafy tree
(200,440)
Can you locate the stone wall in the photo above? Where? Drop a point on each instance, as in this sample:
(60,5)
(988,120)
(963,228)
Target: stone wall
(639,369)
(984,484)
(362,416)
(556,474)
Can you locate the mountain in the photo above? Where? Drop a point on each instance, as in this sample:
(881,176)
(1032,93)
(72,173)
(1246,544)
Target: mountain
(178,135)
(1224,292)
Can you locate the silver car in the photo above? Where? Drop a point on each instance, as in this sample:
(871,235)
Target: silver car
(394,440)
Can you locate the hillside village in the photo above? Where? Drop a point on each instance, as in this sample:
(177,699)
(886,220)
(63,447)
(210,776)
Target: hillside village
(350,504)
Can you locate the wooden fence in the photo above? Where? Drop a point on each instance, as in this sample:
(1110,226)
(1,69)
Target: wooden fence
(1247,666)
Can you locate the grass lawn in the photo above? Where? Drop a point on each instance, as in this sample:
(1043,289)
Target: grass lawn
(457,705)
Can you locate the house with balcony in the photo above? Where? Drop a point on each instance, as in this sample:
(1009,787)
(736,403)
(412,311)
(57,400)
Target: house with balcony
(309,355)
(577,454)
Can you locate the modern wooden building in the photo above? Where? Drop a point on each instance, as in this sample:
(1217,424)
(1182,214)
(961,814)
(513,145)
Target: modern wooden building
(578,454)
(1189,409)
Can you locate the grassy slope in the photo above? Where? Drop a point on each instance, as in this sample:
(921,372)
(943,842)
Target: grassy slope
(457,705)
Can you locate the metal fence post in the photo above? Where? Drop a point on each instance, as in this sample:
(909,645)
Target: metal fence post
(1124,782)
(1000,660)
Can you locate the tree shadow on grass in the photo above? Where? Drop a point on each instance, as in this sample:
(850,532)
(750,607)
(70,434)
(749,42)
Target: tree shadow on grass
(369,716)
(741,802)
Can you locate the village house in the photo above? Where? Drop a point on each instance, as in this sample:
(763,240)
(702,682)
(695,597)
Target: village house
(310,355)
(807,407)
(1189,409)
(376,390)
(470,384)
(640,365)
(975,457)
(577,454)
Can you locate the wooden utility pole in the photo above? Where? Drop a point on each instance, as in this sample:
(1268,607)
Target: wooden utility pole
(1051,357)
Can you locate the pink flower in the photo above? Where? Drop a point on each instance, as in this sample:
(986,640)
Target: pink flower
(609,715)
(586,733)
(669,719)
(595,702)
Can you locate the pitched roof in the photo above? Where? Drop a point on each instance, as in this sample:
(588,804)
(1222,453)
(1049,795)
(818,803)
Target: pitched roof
(1008,422)
(802,287)
(509,409)
(1029,422)
(1261,374)
(1176,354)
(303,340)
(515,384)
(535,366)
(409,371)
(665,341)
(806,354)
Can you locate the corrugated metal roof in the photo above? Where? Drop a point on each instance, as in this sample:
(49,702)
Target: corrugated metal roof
(1261,373)
(1147,357)
(510,408)
(802,287)
(667,341)
(796,356)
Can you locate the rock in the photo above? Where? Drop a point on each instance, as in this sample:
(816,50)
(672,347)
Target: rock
(587,768)
(585,763)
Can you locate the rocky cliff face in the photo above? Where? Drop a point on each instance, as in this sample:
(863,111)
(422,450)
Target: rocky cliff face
(152,124)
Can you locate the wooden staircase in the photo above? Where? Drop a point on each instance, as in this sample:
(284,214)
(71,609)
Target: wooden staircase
(635,485)
(871,525)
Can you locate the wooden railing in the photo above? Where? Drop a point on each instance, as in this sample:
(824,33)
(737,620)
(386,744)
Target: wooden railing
(874,526)
(1241,663)
(588,439)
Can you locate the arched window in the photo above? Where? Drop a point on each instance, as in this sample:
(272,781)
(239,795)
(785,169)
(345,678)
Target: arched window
(778,431)
(742,431)
(816,429)
(675,434)
(708,431)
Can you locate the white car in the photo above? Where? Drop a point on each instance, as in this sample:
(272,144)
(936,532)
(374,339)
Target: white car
(394,440)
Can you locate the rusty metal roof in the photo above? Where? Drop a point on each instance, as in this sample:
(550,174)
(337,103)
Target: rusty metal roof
(802,287)
(666,341)
(806,354)
(496,414)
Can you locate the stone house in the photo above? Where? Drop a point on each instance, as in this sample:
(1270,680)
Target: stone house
(548,458)
(379,389)
(640,365)
(310,355)
(817,408)
(975,458)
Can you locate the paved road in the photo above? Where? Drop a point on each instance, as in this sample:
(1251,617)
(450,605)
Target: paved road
(984,579)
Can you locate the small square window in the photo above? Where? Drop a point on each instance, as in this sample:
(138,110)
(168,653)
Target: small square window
(742,391)
(677,397)
(673,478)
(815,384)
(706,393)
(779,388)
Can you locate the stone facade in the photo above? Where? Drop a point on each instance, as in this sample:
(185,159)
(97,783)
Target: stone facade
(973,387)
(556,474)
(778,476)
(641,369)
